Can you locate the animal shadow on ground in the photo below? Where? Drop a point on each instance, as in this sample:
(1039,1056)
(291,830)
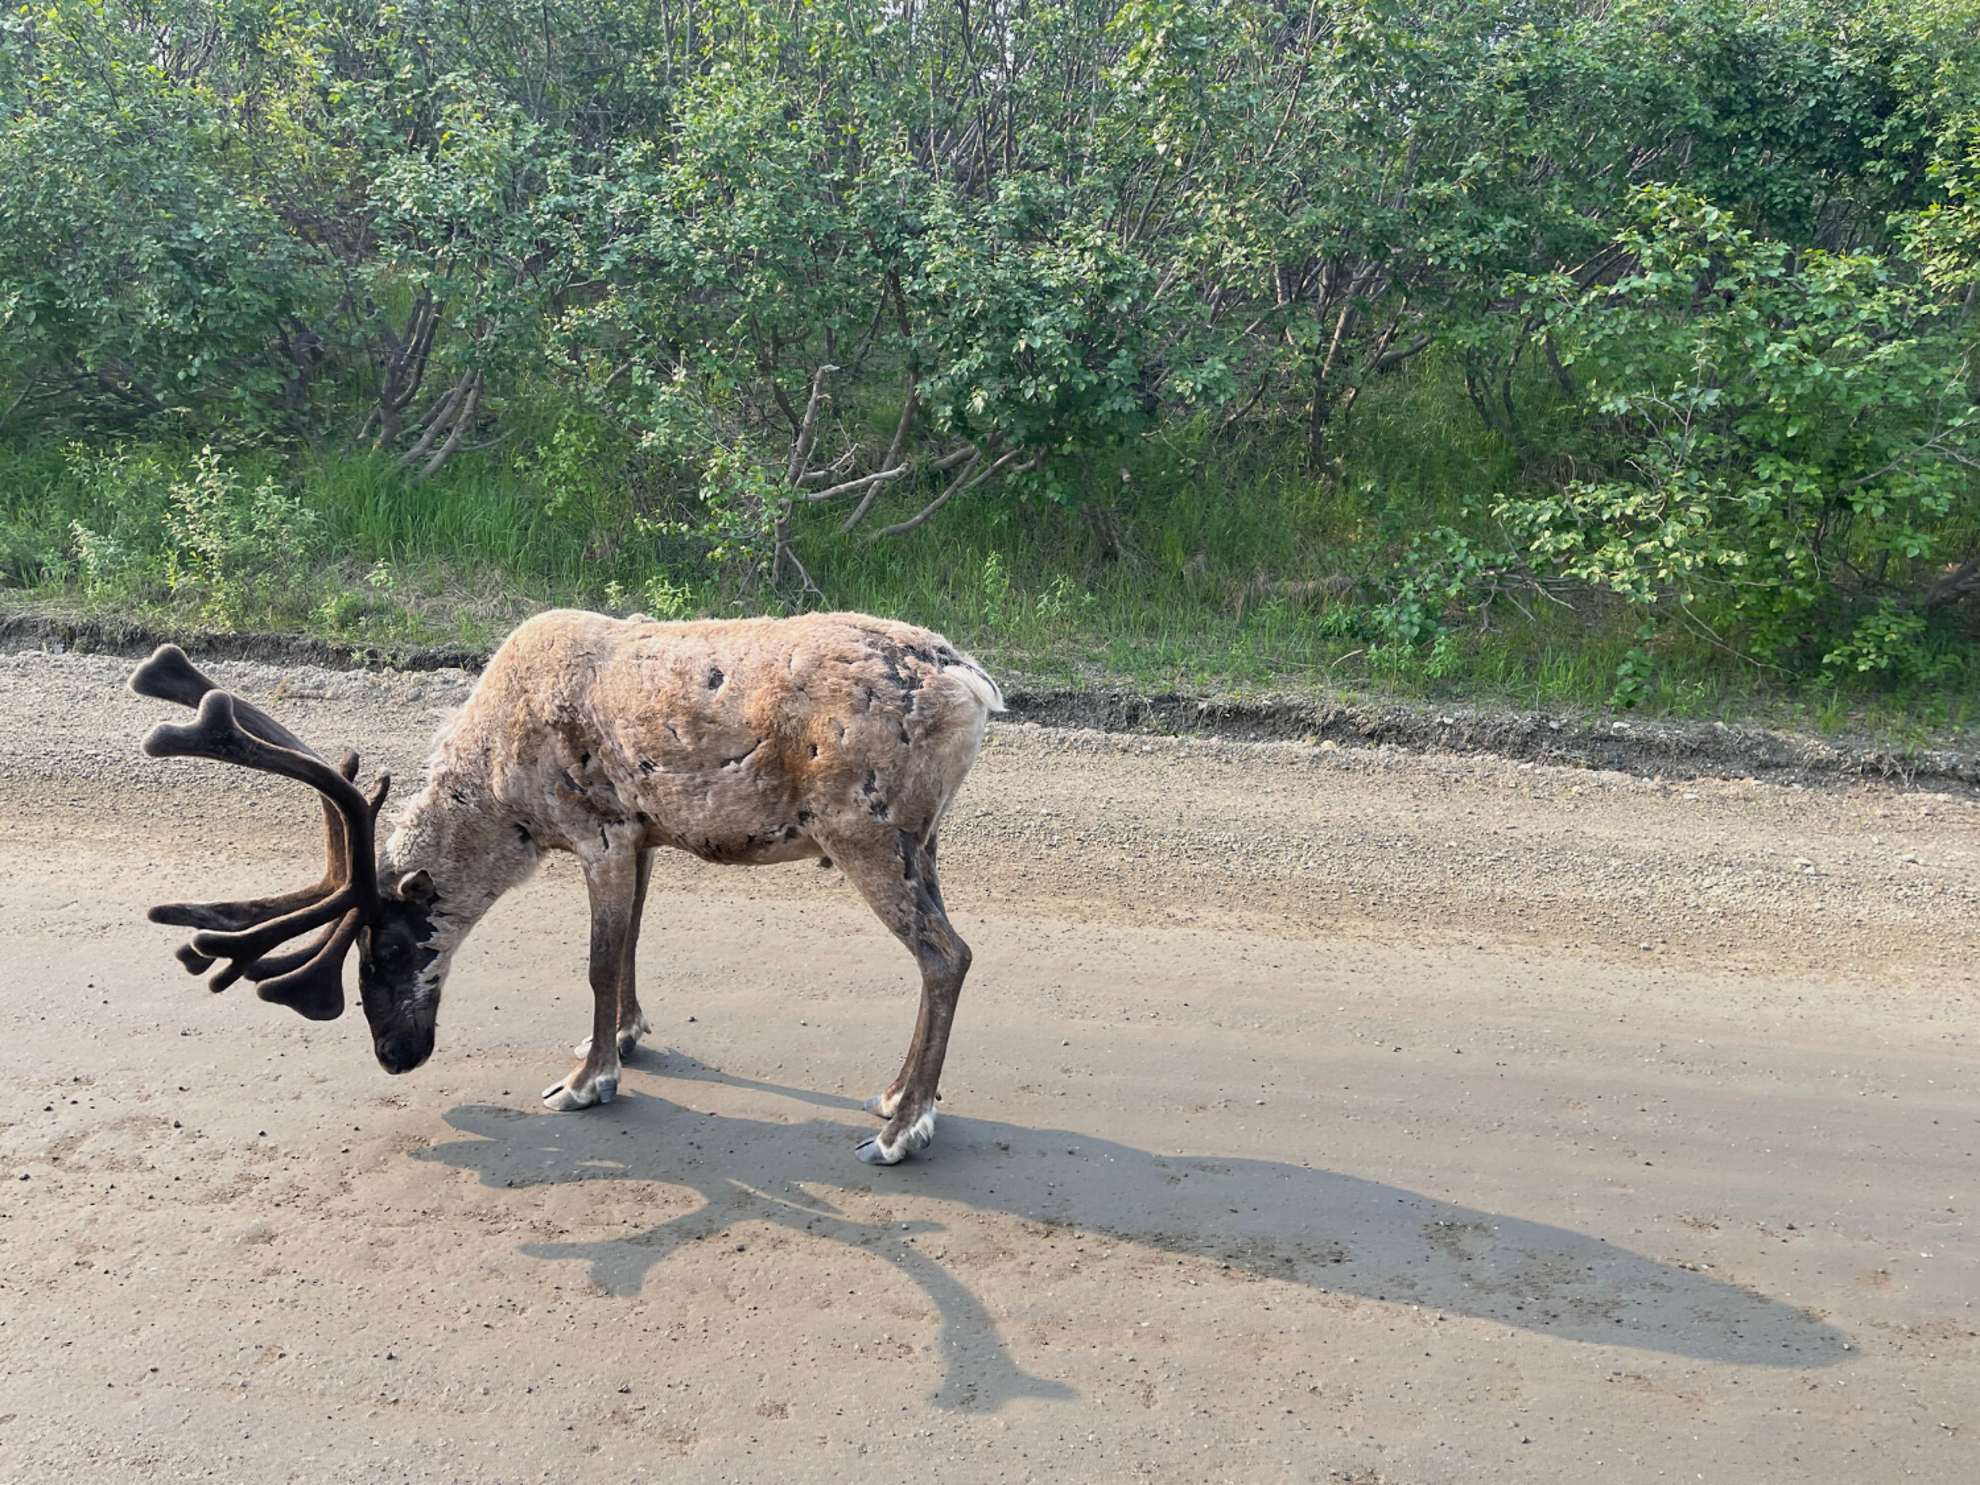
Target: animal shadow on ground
(1326,1231)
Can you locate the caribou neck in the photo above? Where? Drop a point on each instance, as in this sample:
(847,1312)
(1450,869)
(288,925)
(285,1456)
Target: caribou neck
(474,850)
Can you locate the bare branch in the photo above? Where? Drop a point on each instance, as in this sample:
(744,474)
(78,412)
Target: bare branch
(1951,588)
(908,409)
(807,433)
(14,406)
(838,466)
(463,420)
(490,443)
(958,486)
(436,420)
(813,497)
(955,456)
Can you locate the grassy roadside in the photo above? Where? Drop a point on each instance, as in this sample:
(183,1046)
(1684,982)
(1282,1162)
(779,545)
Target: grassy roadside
(1160,571)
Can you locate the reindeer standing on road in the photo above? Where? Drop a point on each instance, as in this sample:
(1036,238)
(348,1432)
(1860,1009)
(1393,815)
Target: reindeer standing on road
(748,741)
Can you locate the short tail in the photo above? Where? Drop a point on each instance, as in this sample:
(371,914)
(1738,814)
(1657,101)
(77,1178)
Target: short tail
(978,683)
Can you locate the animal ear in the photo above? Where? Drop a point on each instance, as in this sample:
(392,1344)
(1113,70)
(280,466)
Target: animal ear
(415,887)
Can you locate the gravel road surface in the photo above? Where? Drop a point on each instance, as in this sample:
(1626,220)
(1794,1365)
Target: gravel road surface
(1313,1114)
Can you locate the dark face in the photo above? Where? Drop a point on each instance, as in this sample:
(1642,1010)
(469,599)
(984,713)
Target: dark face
(401,1000)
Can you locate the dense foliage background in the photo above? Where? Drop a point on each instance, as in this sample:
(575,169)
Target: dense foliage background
(1620,348)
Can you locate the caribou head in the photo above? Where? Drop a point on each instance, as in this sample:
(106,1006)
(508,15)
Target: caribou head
(388,920)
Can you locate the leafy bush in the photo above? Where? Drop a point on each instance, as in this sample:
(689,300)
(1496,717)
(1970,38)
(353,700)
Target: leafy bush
(226,540)
(1791,435)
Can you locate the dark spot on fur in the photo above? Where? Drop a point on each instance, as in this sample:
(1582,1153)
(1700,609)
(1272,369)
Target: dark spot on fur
(804,817)
(893,657)
(641,816)
(569,782)
(647,765)
(814,750)
(672,730)
(457,796)
(905,739)
(584,760)
(875,806)
(522,833)
(791,832)
(715,678)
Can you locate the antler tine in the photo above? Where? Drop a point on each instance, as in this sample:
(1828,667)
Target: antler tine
(247,913)
(169,676)
(219,735)
(309,979)
(314,988)
(251,944)
(249,948)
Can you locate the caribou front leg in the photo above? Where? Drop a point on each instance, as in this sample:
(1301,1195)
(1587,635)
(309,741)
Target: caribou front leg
(632,1020)
(613,879)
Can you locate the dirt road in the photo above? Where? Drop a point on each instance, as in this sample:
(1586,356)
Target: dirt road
(1313,1114)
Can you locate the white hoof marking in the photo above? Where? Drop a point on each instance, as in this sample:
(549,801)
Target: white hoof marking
(875,1150)
(571,1094)
(872,1152)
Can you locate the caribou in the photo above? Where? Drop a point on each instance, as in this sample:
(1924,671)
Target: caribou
(834,736)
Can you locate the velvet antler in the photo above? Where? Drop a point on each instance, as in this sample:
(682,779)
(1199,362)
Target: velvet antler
(308,979)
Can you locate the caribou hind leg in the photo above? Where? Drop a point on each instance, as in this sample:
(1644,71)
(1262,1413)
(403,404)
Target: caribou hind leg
(613,879)
(898,880)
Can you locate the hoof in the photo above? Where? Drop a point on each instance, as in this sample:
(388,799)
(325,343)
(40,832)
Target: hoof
(878,1150)
(872,1152)
(629,1035)
(571,1095)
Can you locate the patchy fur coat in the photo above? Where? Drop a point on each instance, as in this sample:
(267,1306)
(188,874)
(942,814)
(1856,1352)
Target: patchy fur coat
(744,741)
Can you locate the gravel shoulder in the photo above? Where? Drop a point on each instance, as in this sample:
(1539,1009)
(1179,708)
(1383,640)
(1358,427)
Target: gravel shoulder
(1317,1111)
